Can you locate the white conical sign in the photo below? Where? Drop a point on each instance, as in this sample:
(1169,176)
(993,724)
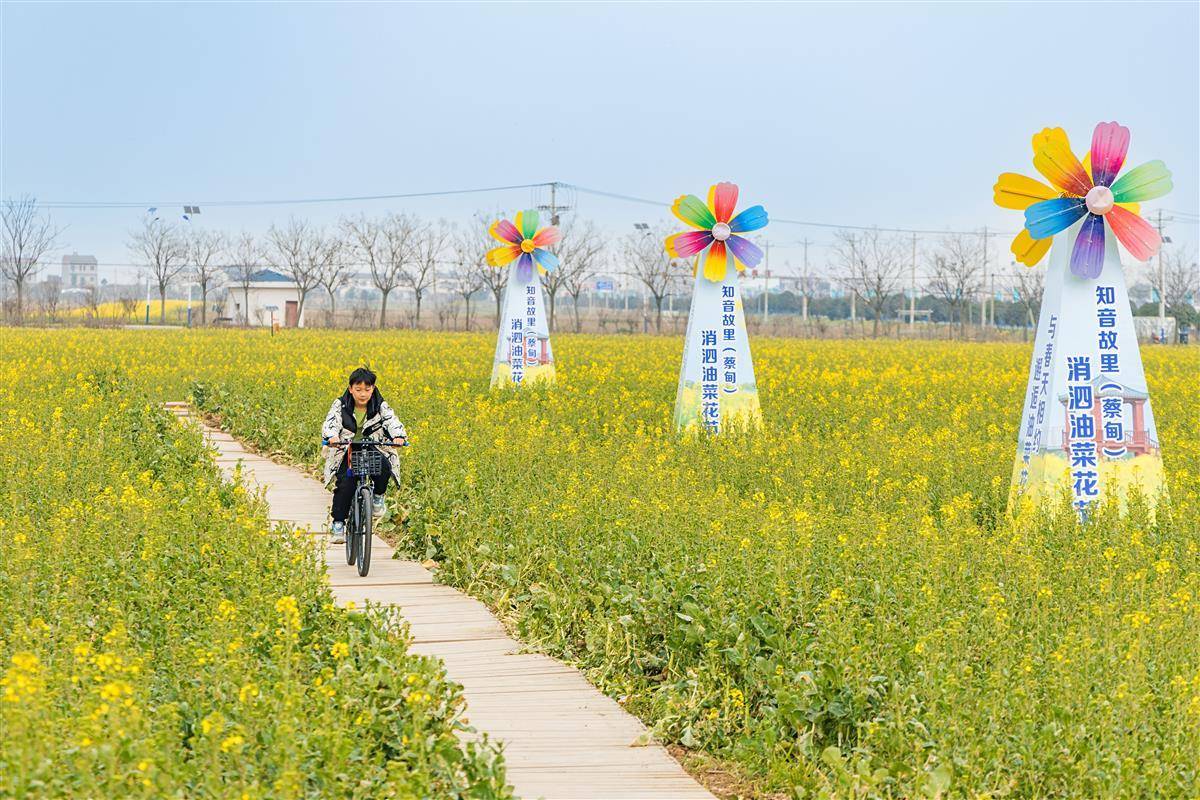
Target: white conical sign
(523,351)
(716,380)
(1087,426)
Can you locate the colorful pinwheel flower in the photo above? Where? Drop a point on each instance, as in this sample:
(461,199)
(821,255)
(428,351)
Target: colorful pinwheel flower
(1020,192)
(716,235)
(525,242)
(1099,196)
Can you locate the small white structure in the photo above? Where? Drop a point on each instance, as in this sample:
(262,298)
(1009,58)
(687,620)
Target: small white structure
(268,297)
(79,272)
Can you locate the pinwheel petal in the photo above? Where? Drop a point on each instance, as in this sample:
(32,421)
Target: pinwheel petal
(504,231)
(1138,236)
(1110,143)
(547,237)
(545,259)
(1087,257)
(525,267)
(501,256)
(692,211)
(1147,182)
(1028,250)
(1132,208)
(745,250)
(751,219)
(1061,168)
(686,245)
(1020,192)
(716,262)
(722,199)
(1046,136)
(1049,217)
(527,222)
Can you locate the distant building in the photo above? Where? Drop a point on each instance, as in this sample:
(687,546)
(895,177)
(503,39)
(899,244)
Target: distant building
(79,272)
(267,297)
(811,285)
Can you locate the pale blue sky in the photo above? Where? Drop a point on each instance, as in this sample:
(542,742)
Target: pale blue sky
(889,115)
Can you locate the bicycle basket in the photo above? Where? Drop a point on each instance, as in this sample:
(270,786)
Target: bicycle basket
(366,462)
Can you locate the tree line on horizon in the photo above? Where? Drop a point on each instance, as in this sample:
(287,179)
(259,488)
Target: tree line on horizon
(876,272)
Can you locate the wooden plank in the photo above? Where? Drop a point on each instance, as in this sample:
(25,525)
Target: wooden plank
(562,738)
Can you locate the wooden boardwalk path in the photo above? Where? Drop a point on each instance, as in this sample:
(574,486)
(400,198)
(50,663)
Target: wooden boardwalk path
(562,738)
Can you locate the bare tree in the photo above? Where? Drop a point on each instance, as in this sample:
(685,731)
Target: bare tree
(204,251)
(579,251)
(49,296)
(447,314)
(495,279)
(872,267)
(553,280)
(420,271)
(91,301)
(245,258)
(326,254)
(648,261)
(1182,281)
(28,236)
(288,250)
(956,273)
(470,267)
(128,306)
(1031,285)
(163,248)
(384,247)
(806,284)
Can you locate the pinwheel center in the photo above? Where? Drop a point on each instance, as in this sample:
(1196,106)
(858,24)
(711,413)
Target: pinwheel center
(1099,200)
(721,231)
(527,246)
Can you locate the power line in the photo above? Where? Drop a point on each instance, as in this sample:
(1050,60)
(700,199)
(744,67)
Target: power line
(301,201)
(117,204)
(808,223)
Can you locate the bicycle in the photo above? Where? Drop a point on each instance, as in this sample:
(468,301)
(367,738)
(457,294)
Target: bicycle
(366,462)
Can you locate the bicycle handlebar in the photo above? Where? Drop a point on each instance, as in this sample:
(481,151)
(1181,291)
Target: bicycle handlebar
(364,441)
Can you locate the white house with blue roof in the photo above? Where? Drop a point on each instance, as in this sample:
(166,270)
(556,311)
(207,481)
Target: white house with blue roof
(266,297)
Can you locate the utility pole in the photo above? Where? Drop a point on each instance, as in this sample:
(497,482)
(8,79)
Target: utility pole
(1162,281)
(554,208)
(767,284)
(912,301)
(993,300)
(853,291)
(984,308)
(807,285)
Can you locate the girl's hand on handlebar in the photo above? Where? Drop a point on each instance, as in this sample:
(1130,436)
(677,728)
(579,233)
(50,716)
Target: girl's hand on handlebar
(400,441)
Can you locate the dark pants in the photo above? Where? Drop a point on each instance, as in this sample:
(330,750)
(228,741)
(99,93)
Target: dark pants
(343,493)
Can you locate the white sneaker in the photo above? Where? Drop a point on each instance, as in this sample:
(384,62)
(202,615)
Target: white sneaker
(378,506)
(337,533)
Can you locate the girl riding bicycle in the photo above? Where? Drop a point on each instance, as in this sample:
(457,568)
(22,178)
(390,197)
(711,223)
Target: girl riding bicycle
(360,414)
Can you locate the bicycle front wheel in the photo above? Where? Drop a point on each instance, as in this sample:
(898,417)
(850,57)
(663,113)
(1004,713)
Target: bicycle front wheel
(352,524)
(366,524)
